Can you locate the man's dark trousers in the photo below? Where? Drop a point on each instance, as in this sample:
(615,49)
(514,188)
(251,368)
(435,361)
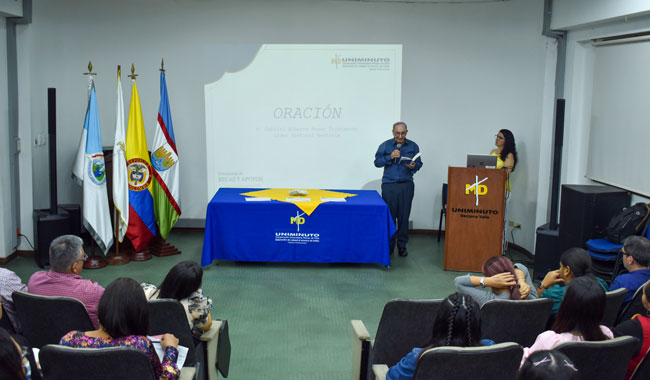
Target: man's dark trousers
(399,196)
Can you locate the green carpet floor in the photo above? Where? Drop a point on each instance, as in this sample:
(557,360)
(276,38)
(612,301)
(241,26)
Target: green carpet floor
(292,321)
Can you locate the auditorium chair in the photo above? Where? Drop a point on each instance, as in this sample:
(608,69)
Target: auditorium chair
(443,209)
(606,257)
(605,359)
(404,324)
(500,361)
(44,320)
(613,302)
(207,354)
(515,321)
(635,306)
(64,363)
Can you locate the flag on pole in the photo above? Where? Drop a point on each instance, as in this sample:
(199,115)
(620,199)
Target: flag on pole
(90,171)
(164,159)
(142,227)
(120,182)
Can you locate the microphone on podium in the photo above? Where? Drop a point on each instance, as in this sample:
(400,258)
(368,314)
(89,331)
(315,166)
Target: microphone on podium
(398,146)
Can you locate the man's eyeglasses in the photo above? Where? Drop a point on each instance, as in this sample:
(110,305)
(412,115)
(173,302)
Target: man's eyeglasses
(84,258)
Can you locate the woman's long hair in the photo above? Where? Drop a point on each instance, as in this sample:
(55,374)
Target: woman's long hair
(123,309)
(457,323)
(582,309)
(500,264)
(182,280)
(508,147)
(11,363)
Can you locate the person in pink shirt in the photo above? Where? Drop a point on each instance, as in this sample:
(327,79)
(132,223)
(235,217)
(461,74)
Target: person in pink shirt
(578,318)
(67,258)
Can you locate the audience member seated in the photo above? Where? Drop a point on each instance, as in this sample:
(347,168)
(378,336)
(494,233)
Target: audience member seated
(505,280)
(124,321)
(574,263)
(9,283)
(183,283)
(548,365)
(457,323)
(578,319)
(638,326)
(67,258)
(636,259)
(13,364)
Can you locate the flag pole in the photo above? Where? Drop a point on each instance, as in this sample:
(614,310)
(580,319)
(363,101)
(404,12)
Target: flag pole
(93,261)
(144,255)
(117,259)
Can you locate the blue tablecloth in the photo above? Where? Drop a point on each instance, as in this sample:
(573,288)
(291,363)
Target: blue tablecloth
(355,231)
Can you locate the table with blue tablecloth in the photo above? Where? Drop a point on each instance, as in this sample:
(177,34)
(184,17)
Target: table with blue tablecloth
(327,230)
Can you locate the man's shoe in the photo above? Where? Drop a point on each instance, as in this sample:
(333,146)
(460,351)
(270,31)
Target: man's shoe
(403,252)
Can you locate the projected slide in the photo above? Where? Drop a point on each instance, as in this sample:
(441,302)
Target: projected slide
(302,116)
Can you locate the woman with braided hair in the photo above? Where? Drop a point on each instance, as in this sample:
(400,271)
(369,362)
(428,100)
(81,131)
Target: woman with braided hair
(457,323)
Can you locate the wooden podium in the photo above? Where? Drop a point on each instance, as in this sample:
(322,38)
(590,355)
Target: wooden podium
(474,222)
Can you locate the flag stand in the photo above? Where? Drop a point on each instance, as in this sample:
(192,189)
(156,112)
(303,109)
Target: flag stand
(161,248)
(94,262)
(116,258)
(140,256)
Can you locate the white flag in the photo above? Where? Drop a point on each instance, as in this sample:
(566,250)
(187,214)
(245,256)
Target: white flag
(96,215)
(120,180)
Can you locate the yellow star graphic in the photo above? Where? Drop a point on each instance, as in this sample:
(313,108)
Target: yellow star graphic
(308,207)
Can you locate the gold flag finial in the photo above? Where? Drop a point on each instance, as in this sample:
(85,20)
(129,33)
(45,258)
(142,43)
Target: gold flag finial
(119,71)
(133,74)
(162,65)
(90,69)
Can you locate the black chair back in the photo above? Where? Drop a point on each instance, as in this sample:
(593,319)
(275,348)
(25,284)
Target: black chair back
(642,371)
(44,320)
(613,302)
(168,316)
(635,306)
(404,324)
(515,321)
(64,363)
(500,361)
(605,359)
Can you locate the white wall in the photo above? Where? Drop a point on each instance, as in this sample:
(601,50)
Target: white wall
(579,80)
(468,71)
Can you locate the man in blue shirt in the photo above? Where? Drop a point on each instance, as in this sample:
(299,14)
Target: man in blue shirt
(397,188)
(636,258)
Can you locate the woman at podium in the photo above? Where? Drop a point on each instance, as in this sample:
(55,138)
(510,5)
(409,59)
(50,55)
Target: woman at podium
(506,152)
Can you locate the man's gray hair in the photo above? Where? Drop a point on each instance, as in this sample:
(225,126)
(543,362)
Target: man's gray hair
(639,248)
(65,251)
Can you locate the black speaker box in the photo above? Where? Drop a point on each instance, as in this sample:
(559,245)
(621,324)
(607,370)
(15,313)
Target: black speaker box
(75,217)
(547,251)
(585,211)
(48,227)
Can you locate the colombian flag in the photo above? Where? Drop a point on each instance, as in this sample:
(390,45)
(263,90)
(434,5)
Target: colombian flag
(142,227)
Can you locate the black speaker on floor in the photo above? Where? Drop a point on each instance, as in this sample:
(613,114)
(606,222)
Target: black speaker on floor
(585,211)
(75,217)
(58,219)
(547,251)
(48,227)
